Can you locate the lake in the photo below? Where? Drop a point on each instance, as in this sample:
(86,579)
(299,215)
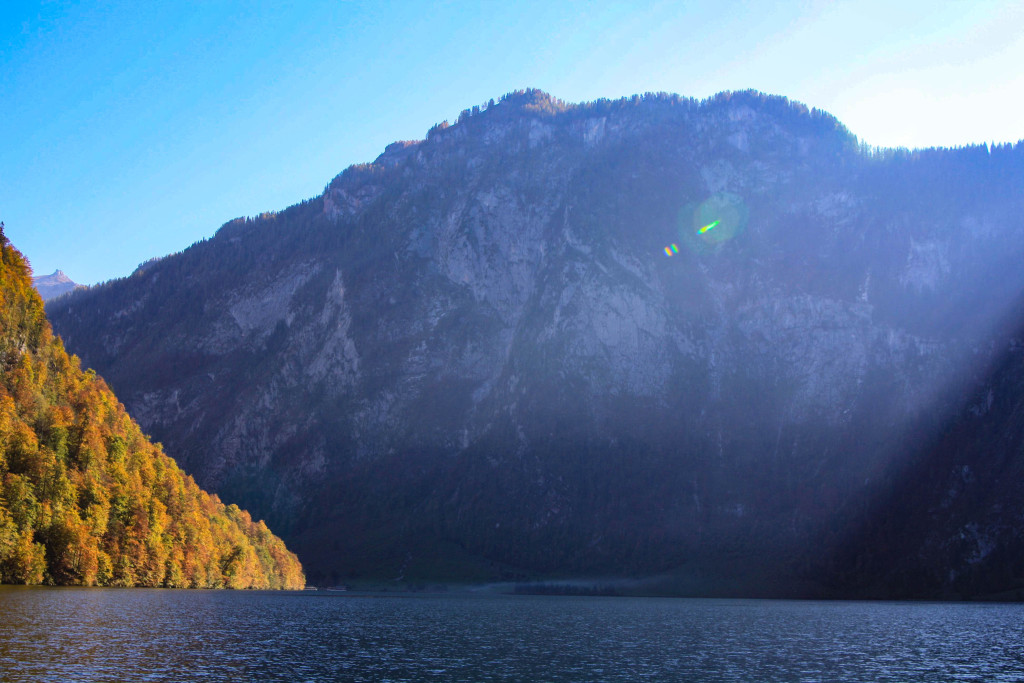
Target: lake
(75,634)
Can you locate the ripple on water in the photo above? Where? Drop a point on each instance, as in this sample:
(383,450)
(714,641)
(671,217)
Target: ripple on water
(153,635)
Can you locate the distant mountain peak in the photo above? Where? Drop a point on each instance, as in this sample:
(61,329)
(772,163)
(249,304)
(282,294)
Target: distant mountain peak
(53,285)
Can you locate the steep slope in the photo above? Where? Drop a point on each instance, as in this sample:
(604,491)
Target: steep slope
(946,521)
(85,498)
(53,285)
(473,357)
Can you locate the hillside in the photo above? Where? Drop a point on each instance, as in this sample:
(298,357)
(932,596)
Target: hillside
(85,497)
(652,337)
(944,520)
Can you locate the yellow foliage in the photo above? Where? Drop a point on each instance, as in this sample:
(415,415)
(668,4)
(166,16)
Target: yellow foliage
(85,497)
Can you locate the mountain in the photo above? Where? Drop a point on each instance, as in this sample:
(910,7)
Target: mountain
(53,285)
(85,497)
(653,337)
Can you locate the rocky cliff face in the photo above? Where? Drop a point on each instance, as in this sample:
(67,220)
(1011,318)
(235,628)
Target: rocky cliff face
(474,357)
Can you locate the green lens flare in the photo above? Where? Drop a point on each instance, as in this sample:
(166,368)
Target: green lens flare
(707,226)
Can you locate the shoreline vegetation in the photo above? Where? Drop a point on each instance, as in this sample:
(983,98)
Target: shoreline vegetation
(86,499)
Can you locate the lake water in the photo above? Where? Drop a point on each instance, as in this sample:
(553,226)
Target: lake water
(49,634)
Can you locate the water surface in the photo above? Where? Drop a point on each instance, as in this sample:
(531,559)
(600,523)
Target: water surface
(49,634)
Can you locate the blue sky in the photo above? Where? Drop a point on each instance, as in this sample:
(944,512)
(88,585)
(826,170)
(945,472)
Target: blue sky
(130,130)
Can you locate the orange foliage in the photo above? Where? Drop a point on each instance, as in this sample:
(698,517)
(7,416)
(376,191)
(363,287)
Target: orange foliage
(85,497)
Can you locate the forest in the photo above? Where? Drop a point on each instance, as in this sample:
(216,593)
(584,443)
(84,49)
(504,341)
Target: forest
(85,497)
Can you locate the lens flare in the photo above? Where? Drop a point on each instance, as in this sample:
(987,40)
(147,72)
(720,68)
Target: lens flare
(706,227)
(668,251)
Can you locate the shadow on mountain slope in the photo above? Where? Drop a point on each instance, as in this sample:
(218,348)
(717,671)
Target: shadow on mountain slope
(944,522)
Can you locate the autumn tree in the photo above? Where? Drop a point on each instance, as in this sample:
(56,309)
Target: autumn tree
(85,497)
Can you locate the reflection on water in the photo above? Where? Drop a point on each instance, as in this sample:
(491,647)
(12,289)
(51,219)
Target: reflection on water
(135,634)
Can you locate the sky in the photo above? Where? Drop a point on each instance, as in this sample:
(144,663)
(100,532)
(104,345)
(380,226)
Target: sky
(130,130)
